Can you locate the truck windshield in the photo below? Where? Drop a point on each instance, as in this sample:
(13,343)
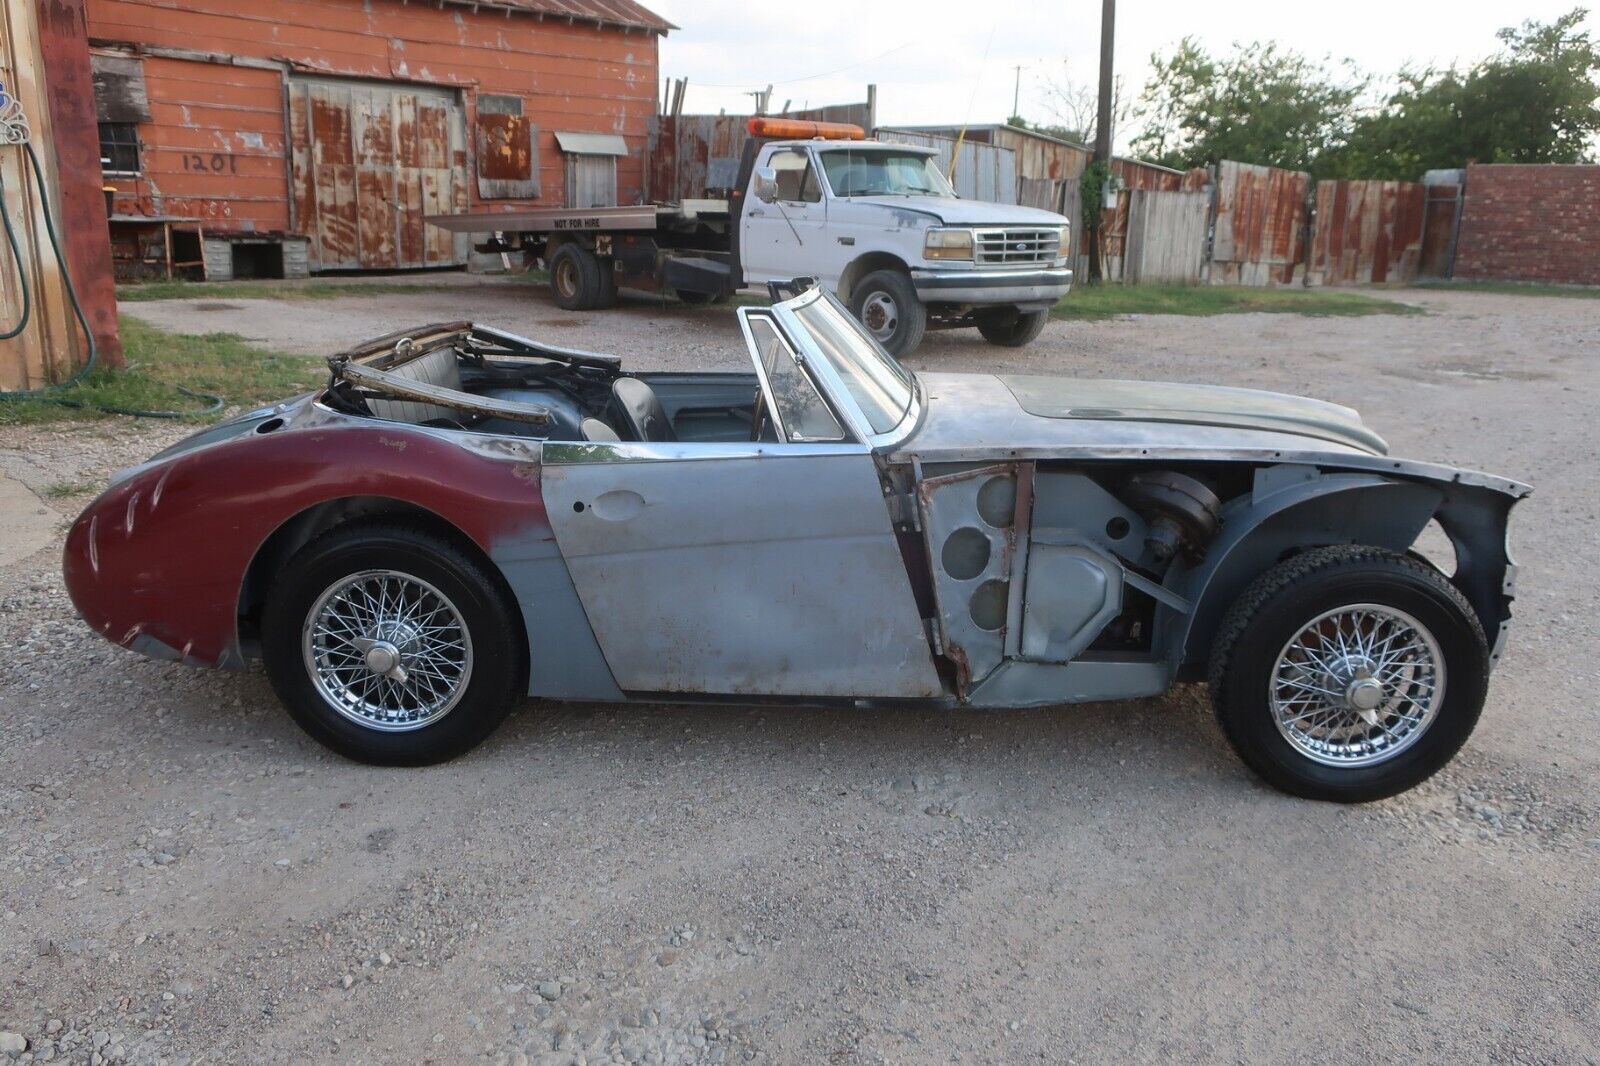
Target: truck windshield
(879,172)
(880,386)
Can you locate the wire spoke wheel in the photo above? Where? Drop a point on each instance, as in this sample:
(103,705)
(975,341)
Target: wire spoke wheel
(1358,685)
(387,650)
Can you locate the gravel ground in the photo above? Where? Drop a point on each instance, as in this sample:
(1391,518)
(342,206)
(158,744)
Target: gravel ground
(185,877)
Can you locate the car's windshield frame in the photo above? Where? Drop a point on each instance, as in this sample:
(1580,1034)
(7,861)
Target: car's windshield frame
(829,375)
(941,189)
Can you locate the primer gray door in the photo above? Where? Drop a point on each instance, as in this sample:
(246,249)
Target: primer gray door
(727,568)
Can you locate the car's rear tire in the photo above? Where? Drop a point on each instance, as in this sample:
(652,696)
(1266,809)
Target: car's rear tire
(579,280)
(1011,328)
(391,645)
(886,303)
(1349,673)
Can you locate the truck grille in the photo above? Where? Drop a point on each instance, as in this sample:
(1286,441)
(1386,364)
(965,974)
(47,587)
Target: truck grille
(1017,247)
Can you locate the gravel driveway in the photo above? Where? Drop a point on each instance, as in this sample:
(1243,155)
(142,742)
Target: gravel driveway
(185,877)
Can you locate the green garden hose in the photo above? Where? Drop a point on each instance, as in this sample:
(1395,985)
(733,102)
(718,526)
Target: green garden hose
(49,393)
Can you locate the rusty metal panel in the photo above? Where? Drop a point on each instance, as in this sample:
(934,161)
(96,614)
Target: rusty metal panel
(506,149)
(697,156)
(1366,232)
(1259,231)
(370,160)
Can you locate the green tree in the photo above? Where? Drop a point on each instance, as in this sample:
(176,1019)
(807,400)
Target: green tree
(1536,101)
(1259,104)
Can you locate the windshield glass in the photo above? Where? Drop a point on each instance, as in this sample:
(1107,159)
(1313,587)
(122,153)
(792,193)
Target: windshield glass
(880,386)
(879,172)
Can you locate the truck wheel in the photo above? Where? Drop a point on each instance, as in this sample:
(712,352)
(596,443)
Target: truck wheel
(1011,328)
(577,279)
(694,299)
(608,284)
(886,303)
(1349,673)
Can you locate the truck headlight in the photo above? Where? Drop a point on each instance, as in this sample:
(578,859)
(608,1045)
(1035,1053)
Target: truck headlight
(948,244)
(1063,252)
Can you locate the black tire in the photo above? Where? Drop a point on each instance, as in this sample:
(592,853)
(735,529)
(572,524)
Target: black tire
(487,612)
(902,331)
(576,279)
(1011,328)
(608,283)
(1286,599)
(694,299)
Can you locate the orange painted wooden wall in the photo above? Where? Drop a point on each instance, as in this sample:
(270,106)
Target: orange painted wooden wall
(216,146)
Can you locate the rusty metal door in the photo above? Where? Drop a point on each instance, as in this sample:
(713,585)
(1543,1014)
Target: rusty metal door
(369,160)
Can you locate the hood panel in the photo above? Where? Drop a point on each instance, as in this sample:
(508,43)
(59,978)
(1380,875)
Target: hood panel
(979,416)
(965,212)
(1196,405)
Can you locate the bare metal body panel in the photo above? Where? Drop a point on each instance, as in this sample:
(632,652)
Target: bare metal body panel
(977,416)
(719,571)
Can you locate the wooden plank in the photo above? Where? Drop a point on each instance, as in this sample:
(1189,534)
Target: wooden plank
(50,347)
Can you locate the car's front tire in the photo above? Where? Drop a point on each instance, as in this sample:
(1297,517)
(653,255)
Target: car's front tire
(1349,673)
(391,645)
(886,303)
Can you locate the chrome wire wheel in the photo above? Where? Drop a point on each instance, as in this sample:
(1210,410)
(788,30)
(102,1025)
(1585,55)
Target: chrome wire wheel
(881,315)
(1357,686)
(387,650)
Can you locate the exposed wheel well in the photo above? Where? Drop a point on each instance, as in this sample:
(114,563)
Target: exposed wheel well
(294,534)
(865,265)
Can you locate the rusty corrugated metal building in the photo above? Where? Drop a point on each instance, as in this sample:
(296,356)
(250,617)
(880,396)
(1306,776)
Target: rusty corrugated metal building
(311,135)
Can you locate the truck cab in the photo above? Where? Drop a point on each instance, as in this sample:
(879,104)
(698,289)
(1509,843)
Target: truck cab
(880,225)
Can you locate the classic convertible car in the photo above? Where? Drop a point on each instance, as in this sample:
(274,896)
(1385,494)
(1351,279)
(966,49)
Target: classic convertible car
(463,517)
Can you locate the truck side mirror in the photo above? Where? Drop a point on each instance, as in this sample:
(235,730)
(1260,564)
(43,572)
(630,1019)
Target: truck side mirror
(765,185)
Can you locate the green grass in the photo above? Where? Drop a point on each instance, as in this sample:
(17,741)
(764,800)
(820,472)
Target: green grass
(1109,301)
(58,489)
(1515,288)
(315,289)
(158,362)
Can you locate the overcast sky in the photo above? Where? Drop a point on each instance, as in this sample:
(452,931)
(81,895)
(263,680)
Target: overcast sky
(948,61)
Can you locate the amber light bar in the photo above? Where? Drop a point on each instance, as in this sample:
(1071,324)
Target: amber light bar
(800,129)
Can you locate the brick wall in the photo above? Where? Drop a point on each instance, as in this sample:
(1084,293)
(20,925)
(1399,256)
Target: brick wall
(1531,223)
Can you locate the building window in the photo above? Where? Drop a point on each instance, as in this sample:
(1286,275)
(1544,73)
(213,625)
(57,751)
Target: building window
(119,147)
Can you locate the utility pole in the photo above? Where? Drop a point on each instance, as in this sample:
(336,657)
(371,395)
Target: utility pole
(1102,125)
(1016,91)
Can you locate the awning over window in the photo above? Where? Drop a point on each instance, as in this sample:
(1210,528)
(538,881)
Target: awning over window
(592,143)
